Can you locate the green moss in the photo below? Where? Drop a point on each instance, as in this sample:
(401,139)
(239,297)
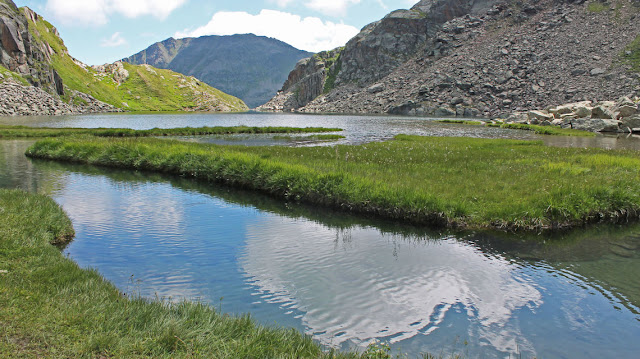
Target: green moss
(597,7)
(16,76)
(333,65)
(631,54)
(455,182)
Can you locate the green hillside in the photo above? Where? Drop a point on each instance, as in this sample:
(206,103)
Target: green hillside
(144,88)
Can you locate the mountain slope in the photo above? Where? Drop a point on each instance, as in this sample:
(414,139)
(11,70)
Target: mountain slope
(34,54)
(247,66)
(479,58)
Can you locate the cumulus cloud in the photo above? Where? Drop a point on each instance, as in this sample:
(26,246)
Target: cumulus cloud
(310,33)
(331,7)
(97,12)
(114,41)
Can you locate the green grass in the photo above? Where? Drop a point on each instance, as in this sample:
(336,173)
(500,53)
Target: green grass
(633,56)
(310,138)
(51,308)
(38,132)
(597,7)
(446,182)
(461,122)
(545,130)
(10,74)
(146,88)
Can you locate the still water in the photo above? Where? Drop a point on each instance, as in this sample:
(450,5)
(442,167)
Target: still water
(357,129)
(344,279)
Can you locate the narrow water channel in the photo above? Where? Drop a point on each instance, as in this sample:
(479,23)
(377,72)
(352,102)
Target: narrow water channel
(344,279)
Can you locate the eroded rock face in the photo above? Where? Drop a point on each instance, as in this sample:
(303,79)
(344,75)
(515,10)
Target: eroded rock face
(20,53)
(488,59)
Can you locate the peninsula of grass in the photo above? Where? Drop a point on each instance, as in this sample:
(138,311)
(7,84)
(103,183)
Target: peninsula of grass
(461,122)
(51,308)
(310,138)
(445,182)
(545,130)
(39,132)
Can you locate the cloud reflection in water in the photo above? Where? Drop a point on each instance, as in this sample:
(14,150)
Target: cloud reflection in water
(358,284)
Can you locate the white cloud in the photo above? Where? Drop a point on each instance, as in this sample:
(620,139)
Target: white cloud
(97,12)
(114,41)
(310,33)
(331,7)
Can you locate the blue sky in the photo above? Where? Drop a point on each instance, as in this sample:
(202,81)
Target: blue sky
(101,31)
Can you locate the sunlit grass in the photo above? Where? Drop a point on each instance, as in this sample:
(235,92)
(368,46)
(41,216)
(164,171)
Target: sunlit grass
(545,130)
(51,308)
(35,132)
(454,182)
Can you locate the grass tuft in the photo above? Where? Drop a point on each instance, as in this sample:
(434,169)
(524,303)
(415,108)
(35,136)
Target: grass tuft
(442,182)
(38,132)
(545,130)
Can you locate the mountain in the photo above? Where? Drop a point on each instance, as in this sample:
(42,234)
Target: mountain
(474,58)
(246,66)
(39,76)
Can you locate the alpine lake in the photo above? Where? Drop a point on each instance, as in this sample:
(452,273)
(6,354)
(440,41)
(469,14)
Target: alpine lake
(345,280)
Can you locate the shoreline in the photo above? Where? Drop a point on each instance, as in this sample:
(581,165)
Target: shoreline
(480,184)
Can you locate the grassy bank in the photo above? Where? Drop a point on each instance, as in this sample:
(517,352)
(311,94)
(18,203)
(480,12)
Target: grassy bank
(454,182)
(36,132)
(545,130)
(51,308)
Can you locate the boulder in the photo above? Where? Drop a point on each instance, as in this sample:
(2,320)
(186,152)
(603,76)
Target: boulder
(595,124)
(602,112)
(518,117)
(444,112)
(539,116)
(376,88)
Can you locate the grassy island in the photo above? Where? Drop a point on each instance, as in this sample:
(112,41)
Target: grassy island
(51,308)
(40,132)
(445,182)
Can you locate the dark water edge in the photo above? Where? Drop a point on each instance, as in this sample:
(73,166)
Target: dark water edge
(574,294)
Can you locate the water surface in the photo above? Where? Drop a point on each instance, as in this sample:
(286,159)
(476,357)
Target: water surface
(357,129)
(346,279)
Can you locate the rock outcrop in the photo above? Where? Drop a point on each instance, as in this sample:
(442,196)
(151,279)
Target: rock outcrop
(20,100)
(622,116)
(311,78)
(483,59)
(21,54)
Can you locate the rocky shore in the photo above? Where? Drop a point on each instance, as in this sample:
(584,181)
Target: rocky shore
(495,59)
(622,116)
(19,100)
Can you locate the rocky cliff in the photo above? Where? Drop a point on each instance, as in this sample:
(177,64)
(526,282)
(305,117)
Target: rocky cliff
(20,53)
(246,66)
(38,76)
(480,58)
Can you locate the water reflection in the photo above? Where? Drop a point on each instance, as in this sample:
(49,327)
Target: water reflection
(357,129)
(347,279)
(357,285)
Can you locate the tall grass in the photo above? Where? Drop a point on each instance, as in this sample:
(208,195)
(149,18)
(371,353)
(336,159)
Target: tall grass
(52,308)
(450,182)
(545,130)
(35,132)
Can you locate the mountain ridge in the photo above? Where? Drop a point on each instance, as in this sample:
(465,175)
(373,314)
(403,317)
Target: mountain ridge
(34,55)
(478,58)
(247,66)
